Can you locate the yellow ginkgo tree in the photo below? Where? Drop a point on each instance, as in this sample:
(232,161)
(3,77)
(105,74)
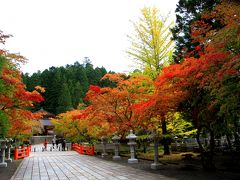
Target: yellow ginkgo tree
(151,45)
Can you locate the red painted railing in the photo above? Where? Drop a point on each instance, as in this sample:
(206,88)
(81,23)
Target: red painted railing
(81,149)
(20,153)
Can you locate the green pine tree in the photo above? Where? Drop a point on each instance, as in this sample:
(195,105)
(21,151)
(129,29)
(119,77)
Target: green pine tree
(64,100)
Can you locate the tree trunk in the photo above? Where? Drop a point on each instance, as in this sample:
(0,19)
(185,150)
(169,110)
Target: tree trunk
(156,161)
(208,154)
(165,140)
(198,140)
(229,142)
(236,135)
(237,142)
(212,148)
(145,146)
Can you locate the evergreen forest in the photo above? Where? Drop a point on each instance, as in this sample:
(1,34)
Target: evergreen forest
(65,87)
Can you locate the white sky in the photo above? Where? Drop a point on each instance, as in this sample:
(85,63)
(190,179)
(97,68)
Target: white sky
(59,32)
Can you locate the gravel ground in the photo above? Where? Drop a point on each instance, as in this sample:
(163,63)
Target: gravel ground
(7,173)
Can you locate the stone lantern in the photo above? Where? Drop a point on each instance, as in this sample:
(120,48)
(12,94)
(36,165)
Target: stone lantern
(184,143)
(132,143)
(116,147)
(176,140)
(8,150)
(104,144)
(185,139)
(176,143)
(3,143)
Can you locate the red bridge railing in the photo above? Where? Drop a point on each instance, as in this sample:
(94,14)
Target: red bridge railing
(20,153)
(81,149)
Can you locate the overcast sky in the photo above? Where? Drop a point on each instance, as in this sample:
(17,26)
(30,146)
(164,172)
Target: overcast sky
(59,32)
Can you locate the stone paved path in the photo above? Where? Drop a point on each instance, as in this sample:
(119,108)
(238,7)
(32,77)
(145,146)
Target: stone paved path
(71,165)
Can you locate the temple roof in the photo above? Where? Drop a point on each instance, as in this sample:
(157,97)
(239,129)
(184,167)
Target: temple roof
(46,114)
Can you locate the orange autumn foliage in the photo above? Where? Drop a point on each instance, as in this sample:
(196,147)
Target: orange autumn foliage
(225,38)
(112,106)
(14,99)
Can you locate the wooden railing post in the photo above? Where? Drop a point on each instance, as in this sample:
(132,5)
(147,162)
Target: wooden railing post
(16,154)
(81,149)
(92,152)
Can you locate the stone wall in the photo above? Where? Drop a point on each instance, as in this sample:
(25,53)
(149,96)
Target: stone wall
(40,139)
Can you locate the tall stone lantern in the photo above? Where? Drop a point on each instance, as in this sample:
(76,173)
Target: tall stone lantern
(132,143)
(3,143)
(116,147)
(8,150)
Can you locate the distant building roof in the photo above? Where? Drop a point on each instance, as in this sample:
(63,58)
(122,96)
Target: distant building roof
(46,114)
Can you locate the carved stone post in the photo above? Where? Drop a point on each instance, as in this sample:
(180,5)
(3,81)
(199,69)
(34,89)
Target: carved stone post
(104,144)
(156,164)
(3,148)
(8,151)
(132,137)
(116,149)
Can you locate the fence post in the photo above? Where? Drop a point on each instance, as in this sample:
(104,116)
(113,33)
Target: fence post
(92,153)
(28,150)
(25,151)
(16,153)
(81,149)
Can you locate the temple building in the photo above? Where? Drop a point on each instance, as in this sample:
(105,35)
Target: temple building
(46,126)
